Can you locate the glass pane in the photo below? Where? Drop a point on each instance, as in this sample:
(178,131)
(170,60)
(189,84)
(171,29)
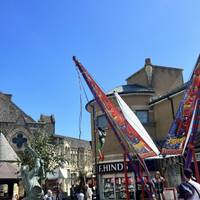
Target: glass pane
(121,188)
(3,190)
(109,188)
(142,115)
(102,122)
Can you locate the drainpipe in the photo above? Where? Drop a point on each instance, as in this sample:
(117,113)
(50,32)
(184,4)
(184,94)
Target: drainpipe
(172,107)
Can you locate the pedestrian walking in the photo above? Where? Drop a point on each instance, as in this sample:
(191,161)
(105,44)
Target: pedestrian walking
(72,192)
(49,195)
(88,192)
(80,193)
(158,182)
(189,189)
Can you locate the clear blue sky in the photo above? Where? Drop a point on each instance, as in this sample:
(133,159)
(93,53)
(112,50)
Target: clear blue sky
(111,38)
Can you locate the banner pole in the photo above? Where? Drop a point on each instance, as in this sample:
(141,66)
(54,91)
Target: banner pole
(95,153)
(126,177)
(196,169)
(191,144)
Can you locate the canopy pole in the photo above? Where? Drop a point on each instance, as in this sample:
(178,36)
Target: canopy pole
(142,182)
(126,177)
(196,169)
(191,144)
(95,152)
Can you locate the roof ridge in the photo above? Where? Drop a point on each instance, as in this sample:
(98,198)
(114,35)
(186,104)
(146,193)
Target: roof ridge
(154,66)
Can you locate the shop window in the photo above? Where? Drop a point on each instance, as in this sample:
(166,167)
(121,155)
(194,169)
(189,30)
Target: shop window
(143,116)
(102,122)
(67,152)
(114,187)
(73,158)
(80,157)
(109,188)
(120,187)
(3,190)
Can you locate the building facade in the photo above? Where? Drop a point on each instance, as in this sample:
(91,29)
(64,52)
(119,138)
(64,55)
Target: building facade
(19,128)
(153,93)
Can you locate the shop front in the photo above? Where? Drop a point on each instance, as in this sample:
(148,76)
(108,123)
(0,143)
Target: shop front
(112,181)
(58,180)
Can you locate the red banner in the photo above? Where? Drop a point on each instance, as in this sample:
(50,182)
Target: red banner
(130,135)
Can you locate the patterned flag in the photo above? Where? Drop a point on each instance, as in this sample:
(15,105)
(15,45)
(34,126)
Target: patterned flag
(128,135)
(179,132)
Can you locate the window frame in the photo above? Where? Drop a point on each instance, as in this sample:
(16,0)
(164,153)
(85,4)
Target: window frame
(147,117)
(105,123)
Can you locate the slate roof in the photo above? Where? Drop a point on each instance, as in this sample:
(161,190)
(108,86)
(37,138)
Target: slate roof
(6,151)
(9,170)
(12,112)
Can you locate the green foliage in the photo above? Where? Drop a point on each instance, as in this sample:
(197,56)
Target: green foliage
(47,150)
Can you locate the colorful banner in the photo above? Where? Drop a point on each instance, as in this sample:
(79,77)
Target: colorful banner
(132,138)
(135,122)
(179,132)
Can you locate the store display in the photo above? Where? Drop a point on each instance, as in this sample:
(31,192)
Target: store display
(115,188)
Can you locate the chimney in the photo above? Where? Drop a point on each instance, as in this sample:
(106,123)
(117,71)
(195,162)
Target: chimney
(148,61)
(149,71)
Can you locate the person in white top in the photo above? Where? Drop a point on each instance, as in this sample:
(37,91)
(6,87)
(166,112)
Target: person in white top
(88,192)
(194,184)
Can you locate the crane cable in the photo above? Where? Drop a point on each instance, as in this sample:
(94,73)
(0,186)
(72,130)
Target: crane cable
(81,87)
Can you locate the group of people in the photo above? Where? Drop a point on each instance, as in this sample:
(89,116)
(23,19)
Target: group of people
(82,192)
(189,189)
(56,195)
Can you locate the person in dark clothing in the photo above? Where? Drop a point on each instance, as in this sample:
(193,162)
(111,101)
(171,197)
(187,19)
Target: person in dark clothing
(189,189)
(72,192)
(49,195)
